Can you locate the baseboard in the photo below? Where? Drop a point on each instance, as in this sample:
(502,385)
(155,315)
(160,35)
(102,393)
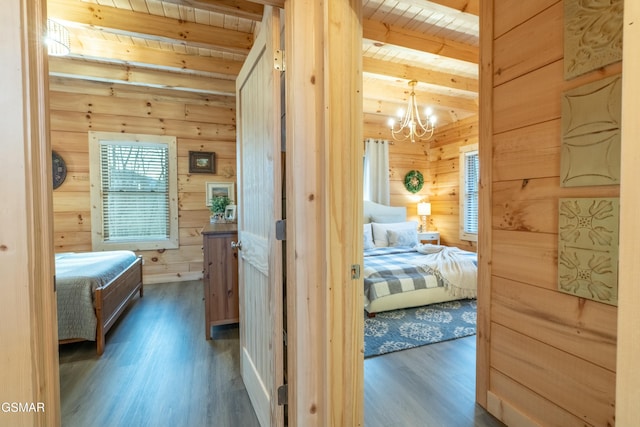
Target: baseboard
(170,277)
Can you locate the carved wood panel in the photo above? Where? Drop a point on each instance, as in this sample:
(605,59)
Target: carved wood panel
(592,35)
(588,248)
(591,116)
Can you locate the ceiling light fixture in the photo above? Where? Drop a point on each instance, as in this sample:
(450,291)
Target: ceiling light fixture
(57,39)
(410,126)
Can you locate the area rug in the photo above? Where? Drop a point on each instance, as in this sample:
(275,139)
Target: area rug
(413,327)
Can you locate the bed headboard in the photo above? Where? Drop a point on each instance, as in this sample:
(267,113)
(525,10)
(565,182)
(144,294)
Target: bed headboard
(375,212)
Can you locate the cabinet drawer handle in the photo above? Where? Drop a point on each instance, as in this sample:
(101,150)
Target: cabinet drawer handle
(236,245)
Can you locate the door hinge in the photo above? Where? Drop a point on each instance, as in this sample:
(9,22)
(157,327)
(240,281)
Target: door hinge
(281,229)
(278,60)
(355,271)
(283,394)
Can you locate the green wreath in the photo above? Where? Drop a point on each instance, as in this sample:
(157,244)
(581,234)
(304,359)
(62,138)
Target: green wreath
(413,181)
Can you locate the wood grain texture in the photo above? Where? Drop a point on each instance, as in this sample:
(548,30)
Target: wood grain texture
(173,375)
(552,354)
(260,204)
(73,114)
(325,329)
(485,231)
(578,386)
(628,378)
(28,328)
(535,42)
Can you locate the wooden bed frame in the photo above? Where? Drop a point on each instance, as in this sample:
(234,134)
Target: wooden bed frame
(111,300)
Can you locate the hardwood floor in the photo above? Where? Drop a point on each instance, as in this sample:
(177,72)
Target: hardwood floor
(158,370)
(428,386)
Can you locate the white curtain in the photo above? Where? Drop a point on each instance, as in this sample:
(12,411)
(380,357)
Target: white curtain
(376,171)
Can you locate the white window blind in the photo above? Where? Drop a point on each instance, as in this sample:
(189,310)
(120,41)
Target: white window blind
(471,193)
(133,191)
(469,186)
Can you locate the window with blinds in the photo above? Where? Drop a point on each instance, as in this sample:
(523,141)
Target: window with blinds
(133,183)
(469,186)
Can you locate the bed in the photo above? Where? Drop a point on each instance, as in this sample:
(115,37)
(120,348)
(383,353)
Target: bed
(400,273)
(93,289)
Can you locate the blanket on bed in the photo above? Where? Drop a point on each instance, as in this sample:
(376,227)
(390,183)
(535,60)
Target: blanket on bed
(457,269)
(387,271)
(78,275)
(391,270)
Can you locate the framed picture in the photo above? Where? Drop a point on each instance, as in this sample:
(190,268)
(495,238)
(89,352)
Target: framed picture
(230,213)
(215,189)
(201,162)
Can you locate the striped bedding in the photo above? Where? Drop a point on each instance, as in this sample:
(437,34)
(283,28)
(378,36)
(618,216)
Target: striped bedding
(392,270)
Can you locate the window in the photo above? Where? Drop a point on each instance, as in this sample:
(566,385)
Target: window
(469,183)
(133,191)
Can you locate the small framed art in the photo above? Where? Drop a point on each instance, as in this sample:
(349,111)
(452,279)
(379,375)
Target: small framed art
(215,189)
(230,213)
(202,162)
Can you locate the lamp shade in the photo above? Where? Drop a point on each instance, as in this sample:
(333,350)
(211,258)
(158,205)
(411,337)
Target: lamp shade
(424,208)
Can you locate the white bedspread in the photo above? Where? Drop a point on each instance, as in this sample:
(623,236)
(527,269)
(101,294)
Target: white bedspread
(456,268)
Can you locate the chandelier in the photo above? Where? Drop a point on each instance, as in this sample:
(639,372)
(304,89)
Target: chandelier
(56,39)
(410,126)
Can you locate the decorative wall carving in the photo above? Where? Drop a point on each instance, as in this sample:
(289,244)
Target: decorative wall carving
(592,35)
(588,248)
(591,134)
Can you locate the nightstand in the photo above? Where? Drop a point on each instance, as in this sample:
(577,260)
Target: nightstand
(429,236)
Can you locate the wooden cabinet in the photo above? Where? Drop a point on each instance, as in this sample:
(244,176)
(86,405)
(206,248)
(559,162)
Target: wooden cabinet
(220,275)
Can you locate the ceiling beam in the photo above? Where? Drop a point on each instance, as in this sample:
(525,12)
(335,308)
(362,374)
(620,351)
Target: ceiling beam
(117,90)
(462,10)
(115,73)
(390,34)
(238,8)
(274,3)
(467,6)
(408,72)
(147,26)
(383,91)
(93,48)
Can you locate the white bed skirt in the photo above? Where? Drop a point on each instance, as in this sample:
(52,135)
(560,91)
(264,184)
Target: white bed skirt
(414,298)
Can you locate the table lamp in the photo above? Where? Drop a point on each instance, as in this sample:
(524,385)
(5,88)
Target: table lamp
(424,209)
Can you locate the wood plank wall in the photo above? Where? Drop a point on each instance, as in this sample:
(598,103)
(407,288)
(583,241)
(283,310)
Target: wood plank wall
(437,159)
(200,124)
(552,356)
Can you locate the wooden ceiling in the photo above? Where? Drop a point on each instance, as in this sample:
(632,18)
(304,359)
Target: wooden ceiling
(197,47)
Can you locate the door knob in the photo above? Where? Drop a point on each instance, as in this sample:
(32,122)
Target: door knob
(236,245)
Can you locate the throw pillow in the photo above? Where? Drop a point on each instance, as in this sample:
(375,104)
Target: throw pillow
(402,238)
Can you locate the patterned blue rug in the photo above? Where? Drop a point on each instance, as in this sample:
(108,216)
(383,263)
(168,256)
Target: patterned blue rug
(413,327)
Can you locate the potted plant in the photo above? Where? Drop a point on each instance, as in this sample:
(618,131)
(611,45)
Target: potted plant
(218,205)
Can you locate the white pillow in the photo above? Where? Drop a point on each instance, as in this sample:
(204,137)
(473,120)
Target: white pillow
(368,237)
(386,219)
(380,237)
(403,238)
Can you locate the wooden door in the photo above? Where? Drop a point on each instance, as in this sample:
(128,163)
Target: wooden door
(259,206)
